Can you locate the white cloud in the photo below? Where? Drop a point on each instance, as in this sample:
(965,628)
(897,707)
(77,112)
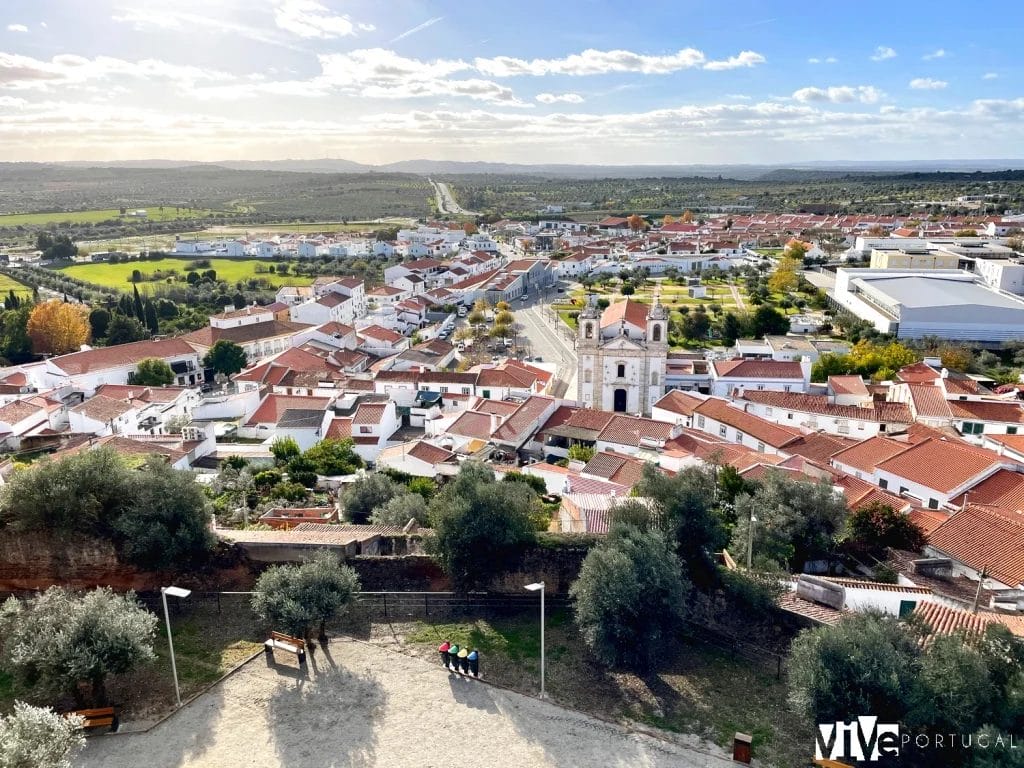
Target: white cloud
(990,76)
(594,62)
(364,27)
(936,54)
(839,94)
(310,19)
(17,28)
(417,28)
(927,84)
(882,53)
(553,98)
(19,72)
(166,18)
(831,60)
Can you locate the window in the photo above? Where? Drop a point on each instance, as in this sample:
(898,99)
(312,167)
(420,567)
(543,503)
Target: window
(364,430)
(721,430)
(465,390)
(656,333)
(621,370)
(486,394)
(883,483)
(654,378)
(760,387)
(1011,430)
(444,390)
(588,330)
(768,411)
(903,489)
(787,388)
(972,428)
(586,377)
(933,503)
(760,447)
(700,422)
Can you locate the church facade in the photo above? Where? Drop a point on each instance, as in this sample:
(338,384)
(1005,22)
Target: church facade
(622,354)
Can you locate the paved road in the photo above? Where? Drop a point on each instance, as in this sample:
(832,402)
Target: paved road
(363,707)
(553,341)
(446,202)
(737,296)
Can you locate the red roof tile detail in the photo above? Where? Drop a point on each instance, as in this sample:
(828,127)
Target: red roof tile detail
(984,538)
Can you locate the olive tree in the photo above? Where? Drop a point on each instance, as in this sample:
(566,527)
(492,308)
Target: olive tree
(294,597)
(366,494)
(629,597)
(399,510)
(38,737)
(58,639)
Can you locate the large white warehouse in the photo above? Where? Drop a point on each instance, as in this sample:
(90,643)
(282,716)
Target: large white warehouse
(947,303)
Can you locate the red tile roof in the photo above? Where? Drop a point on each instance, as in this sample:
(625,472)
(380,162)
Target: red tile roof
(1003,489)
(848,385)
(369,413)
(615,468)
(869,453)
(429,453)
(767,432)
(381,334)
(516,428)
(241,334)
(988,410)
(897,413)
(984,538)
(103,358)
(339,429)
(274,406)
(472,424)
(818,447)
(633,312)
(677,401)
(757,369)
(928,401)
(628,430)
(927,519)
(942,465)
(943,620)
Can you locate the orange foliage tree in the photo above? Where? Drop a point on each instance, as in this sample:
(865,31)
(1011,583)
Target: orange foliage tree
(687,217)
(636,222)
(668,220)
(55,327)
(469,228)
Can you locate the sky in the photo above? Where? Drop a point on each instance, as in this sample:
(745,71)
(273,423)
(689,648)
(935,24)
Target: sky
(690,81)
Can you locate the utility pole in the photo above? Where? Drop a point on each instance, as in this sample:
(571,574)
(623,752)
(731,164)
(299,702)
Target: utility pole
(977,593)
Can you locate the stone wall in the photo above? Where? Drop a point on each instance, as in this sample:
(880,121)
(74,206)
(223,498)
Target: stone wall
(37,562)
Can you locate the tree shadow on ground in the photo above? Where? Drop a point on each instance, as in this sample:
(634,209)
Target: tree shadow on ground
(343,702)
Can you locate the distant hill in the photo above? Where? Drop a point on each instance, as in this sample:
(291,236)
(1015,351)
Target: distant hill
(812,170)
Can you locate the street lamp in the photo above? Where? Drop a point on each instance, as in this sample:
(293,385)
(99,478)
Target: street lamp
(533,588)
(750,541)
(173,592)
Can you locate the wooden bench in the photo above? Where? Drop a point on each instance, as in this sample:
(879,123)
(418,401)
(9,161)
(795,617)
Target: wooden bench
(97,718)
(286,643)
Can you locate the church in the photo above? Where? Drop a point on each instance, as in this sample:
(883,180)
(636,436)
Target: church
(622,356)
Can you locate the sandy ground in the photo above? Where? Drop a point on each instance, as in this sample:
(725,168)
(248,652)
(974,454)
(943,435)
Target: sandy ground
(360,706)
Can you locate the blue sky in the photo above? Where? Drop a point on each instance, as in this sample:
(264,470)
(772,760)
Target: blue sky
(582,82)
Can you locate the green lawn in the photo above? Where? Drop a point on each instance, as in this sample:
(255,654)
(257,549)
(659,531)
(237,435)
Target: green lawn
(169,213)
(232,270)
(8,284)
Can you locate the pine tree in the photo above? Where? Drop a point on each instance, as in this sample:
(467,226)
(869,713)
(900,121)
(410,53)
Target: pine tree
(151,319)
(139,312)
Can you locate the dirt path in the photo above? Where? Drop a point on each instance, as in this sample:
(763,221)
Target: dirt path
(361,706)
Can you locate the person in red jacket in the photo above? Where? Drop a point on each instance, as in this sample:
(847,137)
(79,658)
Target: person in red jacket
(443,650)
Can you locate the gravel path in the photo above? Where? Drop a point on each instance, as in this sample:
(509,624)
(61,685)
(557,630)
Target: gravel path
(363,707)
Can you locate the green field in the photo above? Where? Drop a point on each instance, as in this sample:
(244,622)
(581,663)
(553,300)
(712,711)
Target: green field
(306,227)
(169,213)
(231,270)
(8,284)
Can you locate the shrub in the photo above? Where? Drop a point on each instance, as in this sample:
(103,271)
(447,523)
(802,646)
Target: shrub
(289,491)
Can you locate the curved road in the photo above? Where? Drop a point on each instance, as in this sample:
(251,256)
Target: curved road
(446,202)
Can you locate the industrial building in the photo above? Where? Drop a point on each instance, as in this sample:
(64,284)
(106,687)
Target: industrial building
(945,303)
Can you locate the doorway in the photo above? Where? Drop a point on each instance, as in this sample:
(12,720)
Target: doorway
(620,401)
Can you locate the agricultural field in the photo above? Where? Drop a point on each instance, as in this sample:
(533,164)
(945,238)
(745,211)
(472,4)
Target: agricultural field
(167,213)
(8,284)
(303,228)
(119,275)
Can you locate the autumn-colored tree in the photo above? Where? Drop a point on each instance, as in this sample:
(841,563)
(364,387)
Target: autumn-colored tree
(668,220)
(796,249)
(56,327)
(956,358)
(636,222)
(469,228)
(876,230)
(687,217)
(784,280)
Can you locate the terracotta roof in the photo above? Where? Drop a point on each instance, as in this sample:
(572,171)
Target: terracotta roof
(988,410)
(757,369)
(628,430)
(790,602)
(1013,443)
(860,493)
(984,538)
(137,392)
(429,453)
(927,519)
(119,355)
(19,410)
(633,312)
(499,407)
(945,621)
(506,376)
(615,467)
(767,432)
(876,586)
(1003,489)
(472,424)
(338,429)
(677,401)
(102,408)
(928,401)
(868,454)
(333,328)
(819,404)
(369,413)
(381,334)
(242,334)
(942,465)
(917,373)
(819,446)
(515,428)
(274,406)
